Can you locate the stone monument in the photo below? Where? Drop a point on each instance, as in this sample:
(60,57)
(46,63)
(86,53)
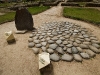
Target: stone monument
(23,19)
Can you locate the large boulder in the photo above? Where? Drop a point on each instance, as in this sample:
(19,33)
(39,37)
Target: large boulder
(23,19)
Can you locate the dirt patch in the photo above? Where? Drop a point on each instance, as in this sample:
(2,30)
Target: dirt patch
(18,59)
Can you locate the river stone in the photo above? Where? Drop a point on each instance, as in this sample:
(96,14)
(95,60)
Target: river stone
(43,40)
(93,38)
(36,41)
(67,36)
(75,44)
(67,57)
(83,46)
(40,37)
(43,49)
(31,35)
(53,46)
(81,37)
(96,45)
(65,42)
(79,49)
(94,49)
(90,53)
(77,41)
(86,36)
(77,57)
(35,38)
(31,44)
(50,51)
(94,41)
(48,38)
(30,40)
(69,50)
(54,38)
(43,34)
(85,55)
(76,31)
(38,45)
(83,32)
(86,43)
(65,48)
(48,33)
(60,50)
(50,41)
(23,19)
(58,41)
(62,38)
(74,50)
(87,39)
(44,43)
(54,57)
(35,50)
(69,45)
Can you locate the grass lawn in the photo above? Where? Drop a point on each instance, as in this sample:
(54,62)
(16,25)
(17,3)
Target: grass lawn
(85,14)
(33,10)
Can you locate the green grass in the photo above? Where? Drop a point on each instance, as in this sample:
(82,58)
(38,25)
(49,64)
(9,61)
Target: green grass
(10,15)
(36,10)
(85,14)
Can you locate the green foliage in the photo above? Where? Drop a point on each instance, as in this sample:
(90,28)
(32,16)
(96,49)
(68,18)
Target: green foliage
(86,14)
(37,9)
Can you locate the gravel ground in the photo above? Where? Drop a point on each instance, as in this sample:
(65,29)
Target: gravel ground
(18,59)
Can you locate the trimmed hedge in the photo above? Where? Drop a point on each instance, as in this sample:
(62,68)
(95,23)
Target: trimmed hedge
(80,0)
(69,4)
(92,5)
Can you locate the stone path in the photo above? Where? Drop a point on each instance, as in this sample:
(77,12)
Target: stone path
(66,40)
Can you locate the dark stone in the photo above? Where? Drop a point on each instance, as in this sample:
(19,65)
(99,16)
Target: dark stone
(23,20)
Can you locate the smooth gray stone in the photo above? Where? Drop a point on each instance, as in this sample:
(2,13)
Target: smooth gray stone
(67,36)
(48,33)
(90,53)
(96,45)
(35,50)
(58,41)
(50,41)
(81,37)
(75,44)
(30,40)
(79,49)
(74,50)
(44,43)
(50,51)
(48,38)
(83,46)
(69,45)
(31,44)
(43,34)
(83,32)
(62,38)
(69,50)
(67,57)
(65,42)
(87,39)
(31,35)
(54,38)
(70,42)
(44,49)
(77,41)
(93,38)
(85,55)
(54,33)
(77,57)
(86,43)
(86,36)
(59,32)
(94,49)
(42,39)
(38,45)
(67,32)
(76,31)
(53,46)
(36,41)
(94,41)
(36,37)
(54,57)
(60,50)
(65,48)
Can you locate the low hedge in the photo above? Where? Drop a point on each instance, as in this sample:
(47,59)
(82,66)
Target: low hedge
(92,5)
(80,0)
(69,4)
